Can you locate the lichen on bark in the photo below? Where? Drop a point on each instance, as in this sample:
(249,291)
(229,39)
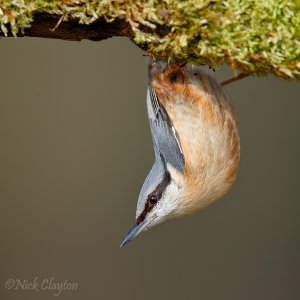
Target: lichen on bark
(254,36)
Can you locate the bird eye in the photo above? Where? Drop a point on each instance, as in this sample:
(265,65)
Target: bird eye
(152,199)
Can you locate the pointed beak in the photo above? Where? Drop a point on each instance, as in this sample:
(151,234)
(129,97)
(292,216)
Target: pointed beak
(133,232)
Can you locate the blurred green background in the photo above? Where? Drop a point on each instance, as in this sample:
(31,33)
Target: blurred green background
(75,149)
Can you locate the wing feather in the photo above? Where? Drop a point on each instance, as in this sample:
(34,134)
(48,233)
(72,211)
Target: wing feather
(164,136)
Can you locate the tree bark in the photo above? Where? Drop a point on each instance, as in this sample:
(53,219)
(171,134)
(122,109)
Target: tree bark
(49,26)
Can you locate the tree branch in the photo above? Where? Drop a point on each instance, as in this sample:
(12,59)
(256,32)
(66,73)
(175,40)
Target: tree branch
(235,78)
(45,26)
(257,37)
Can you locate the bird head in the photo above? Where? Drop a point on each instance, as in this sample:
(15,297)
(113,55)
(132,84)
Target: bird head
(158,200)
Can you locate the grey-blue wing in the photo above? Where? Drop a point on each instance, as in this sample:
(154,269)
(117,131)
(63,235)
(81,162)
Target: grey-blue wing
(164,136)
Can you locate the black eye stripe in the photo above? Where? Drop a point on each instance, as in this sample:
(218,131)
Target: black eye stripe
(157,193)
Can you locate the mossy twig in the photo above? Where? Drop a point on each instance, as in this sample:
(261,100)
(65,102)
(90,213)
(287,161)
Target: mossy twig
(254,36)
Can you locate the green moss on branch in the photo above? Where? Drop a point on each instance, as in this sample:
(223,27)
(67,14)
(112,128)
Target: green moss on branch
(254,36)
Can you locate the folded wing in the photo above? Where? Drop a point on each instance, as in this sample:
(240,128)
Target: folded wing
(164,136)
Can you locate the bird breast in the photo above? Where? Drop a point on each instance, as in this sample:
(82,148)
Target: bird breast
(208,133)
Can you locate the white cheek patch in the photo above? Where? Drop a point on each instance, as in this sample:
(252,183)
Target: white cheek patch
(176,176)
(169,201)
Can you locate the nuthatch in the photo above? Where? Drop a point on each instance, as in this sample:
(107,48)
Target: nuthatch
(196,144)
